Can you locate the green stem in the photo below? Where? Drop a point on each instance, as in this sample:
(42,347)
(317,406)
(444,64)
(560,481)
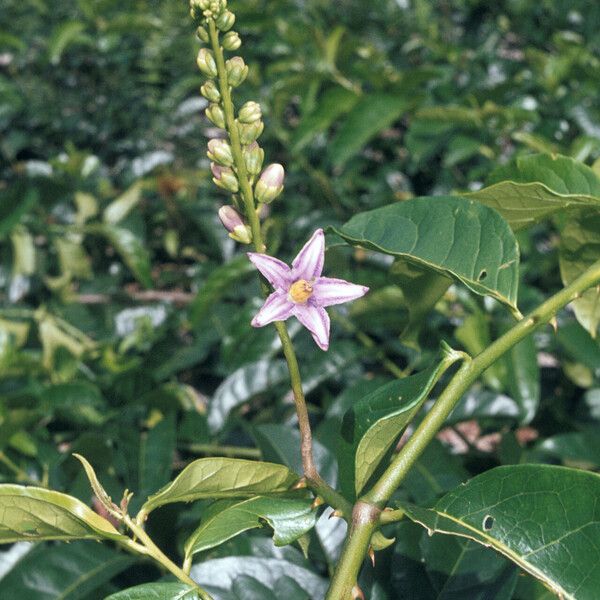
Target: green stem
(357,542)
(151,549)
(16,470)
(314,480)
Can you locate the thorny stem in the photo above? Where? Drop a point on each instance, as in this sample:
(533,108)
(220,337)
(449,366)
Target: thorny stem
(357,542)
(151,549)
(311,473)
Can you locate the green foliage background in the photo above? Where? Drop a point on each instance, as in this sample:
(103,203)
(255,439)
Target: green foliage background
(125,310)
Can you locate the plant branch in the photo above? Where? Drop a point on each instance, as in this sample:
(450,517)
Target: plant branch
(357,542)
(311,473)
(151,549)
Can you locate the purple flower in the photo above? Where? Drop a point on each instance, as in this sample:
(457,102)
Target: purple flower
(300,291)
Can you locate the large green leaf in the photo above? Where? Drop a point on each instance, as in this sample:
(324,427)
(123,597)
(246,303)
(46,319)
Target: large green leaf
(289,518)
(65,572)
(373,424)
(157,591)
(579,249)
(544,518)
(533,187)
(370,115)
(223,478)
(30,513)
(218,576)
(455,237)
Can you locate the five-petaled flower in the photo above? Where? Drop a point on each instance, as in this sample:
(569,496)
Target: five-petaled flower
(300,291)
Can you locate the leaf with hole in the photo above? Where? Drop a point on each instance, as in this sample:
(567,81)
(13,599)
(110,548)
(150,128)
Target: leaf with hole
(453,236)
(546,519)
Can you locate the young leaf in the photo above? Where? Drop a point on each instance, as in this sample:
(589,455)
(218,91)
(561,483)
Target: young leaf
(372,114)
(372,425)
(69,572)
(544,518)
(533,187)
(157,591)
(118,209)
(579,249)
(223,478)
(30,513)
(458,238)
(289,518)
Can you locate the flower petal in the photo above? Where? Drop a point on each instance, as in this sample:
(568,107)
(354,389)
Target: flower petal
(328,291)
(316,320)
(277,307)
(309,262)
(278,274)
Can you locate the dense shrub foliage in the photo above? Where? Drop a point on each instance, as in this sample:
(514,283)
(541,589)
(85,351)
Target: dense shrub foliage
(125,309)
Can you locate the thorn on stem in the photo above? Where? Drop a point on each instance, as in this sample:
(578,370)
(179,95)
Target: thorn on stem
(372,555)
(300,484)
(338,514)
(318,501)
(357,593)
(554,323)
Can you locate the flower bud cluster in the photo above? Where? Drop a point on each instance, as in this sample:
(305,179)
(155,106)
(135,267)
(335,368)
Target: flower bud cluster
(212,17)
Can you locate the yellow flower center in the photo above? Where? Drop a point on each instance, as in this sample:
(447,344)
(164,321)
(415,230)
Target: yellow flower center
(300,291)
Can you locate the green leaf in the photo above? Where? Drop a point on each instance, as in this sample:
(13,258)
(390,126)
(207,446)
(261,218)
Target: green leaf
(223,478)
(64,35)
(248,588)
(30,513)
(458,238)
(289,518)
(17,202)
(118,209)
(579,249)
(78,402)
(130,247)
(157,591)
(533,187)
(372,114)
(373,424)
(241,386)
(217,283)
(332,104)
(576,449)
(64,572)
(220,574)
(546,519)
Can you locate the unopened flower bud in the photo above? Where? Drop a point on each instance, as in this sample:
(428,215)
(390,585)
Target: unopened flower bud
(231,40)
(237,71)
(210,91)
(253,157)
(220,152)
(206,62)
(250,112)
(249,132)
(215,114)
(270,183)
(225,178)
(203,34)
(226,20)
(233,222)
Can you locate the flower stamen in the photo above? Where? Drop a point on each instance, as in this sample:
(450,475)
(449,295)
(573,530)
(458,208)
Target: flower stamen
(300,291)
